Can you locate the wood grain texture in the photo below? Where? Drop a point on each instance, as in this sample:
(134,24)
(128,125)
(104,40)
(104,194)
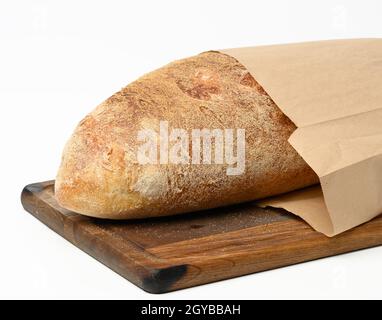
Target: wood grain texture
(170,253)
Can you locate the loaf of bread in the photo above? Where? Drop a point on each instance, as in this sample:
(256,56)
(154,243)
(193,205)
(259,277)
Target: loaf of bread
(101,176)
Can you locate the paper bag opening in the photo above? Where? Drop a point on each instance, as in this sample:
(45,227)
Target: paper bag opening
(332,91)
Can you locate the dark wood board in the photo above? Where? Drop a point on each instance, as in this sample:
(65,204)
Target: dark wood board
(165,254)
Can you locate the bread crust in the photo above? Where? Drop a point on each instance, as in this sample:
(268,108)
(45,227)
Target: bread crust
(100,176)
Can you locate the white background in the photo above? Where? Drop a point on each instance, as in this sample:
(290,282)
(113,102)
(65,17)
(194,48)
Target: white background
(58,60)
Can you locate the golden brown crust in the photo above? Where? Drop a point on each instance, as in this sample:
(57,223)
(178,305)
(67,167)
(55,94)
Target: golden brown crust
(100,176)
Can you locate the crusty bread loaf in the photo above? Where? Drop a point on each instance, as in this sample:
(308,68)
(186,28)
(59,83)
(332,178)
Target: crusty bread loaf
(100,175)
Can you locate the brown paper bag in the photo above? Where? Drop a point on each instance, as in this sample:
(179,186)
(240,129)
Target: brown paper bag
(332,91)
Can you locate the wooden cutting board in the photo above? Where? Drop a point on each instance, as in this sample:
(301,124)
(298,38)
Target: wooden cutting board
(165,254)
